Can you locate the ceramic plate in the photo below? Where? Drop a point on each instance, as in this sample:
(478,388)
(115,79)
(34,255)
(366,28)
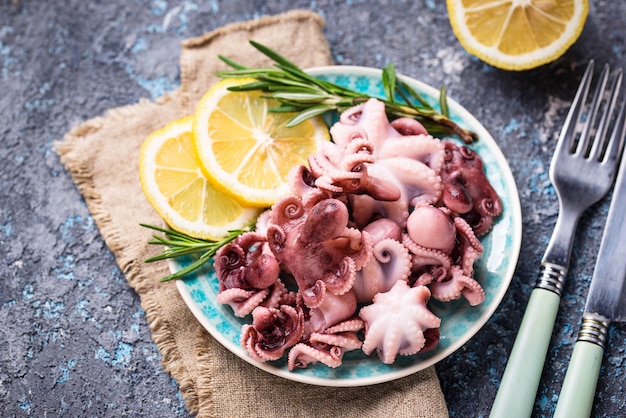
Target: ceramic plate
(459,320)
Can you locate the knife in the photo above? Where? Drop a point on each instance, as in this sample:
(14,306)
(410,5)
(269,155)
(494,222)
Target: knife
(606,302)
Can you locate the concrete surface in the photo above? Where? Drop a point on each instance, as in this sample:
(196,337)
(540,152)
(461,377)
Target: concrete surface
(73,338)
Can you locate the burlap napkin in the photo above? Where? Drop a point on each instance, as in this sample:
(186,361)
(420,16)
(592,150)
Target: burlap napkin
(102,156)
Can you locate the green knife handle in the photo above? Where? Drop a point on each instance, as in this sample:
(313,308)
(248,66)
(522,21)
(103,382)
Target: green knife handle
(518,388)
(579,387)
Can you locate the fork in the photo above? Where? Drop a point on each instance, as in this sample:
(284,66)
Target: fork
(582,170)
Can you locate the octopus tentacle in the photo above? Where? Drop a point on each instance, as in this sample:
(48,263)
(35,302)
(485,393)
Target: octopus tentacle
(329,156)
(391,262)
(466,230)
(288,208)
(471,248)
(242,301)
(456,286)
(360,244)
(331,166)
(313,198)
(301,181)
(301,355)
(352,115)
(359,143)
(483,225)
(272,332)
(348,341)
(421,183)
(262,222)
(276,295)
(423,256)
(424,279)
(314,295)
(354,325)
(333,310)
(276,237)
(423,148)
(342,280)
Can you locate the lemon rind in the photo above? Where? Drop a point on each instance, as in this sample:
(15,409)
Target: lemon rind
(537,58)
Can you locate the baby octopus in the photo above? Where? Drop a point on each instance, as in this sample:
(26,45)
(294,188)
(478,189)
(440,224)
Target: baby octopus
(397,322)
(466,189)
(248,273)
(444,251)
(382,219)
(316,246)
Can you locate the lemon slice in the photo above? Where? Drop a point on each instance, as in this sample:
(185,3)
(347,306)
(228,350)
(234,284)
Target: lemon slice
(245,149)
(178,190)
(517,34)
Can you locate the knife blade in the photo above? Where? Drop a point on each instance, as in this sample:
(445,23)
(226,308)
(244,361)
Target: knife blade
(606,303)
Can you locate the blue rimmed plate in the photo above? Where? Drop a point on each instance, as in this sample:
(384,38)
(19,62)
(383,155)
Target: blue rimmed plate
(459,320)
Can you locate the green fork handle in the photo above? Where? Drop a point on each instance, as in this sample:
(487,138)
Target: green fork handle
(518,388)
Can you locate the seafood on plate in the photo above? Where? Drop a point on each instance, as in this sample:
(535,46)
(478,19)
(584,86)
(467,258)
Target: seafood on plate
(383,218)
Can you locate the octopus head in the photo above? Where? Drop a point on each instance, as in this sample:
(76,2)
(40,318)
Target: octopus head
(326,220)
(430,227)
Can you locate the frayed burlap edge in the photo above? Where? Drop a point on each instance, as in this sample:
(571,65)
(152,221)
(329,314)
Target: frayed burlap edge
(140,276)
(249,25)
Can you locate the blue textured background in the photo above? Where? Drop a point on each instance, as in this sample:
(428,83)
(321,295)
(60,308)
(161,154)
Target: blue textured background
(73,338)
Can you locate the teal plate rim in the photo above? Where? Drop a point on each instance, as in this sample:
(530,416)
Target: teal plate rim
(459,321)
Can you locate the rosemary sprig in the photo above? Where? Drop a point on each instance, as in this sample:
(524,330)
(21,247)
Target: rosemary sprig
(179,245)
(296,91)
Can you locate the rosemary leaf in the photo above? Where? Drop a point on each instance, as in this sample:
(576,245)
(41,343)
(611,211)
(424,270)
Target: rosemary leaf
(389,81)
(179,245)
(279,59)
(232,63)
(309,96)
(421,109)
(443,102)
(186,270)
(307,114)
(257,85)
(288,109)
(301,97)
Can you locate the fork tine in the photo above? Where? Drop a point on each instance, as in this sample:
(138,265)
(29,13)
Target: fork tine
(618,136)
(586,134)
(599,151)
(564,145)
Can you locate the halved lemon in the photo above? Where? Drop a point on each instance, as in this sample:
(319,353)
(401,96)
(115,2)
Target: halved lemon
(246,149)
(178,190)
(517,34)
